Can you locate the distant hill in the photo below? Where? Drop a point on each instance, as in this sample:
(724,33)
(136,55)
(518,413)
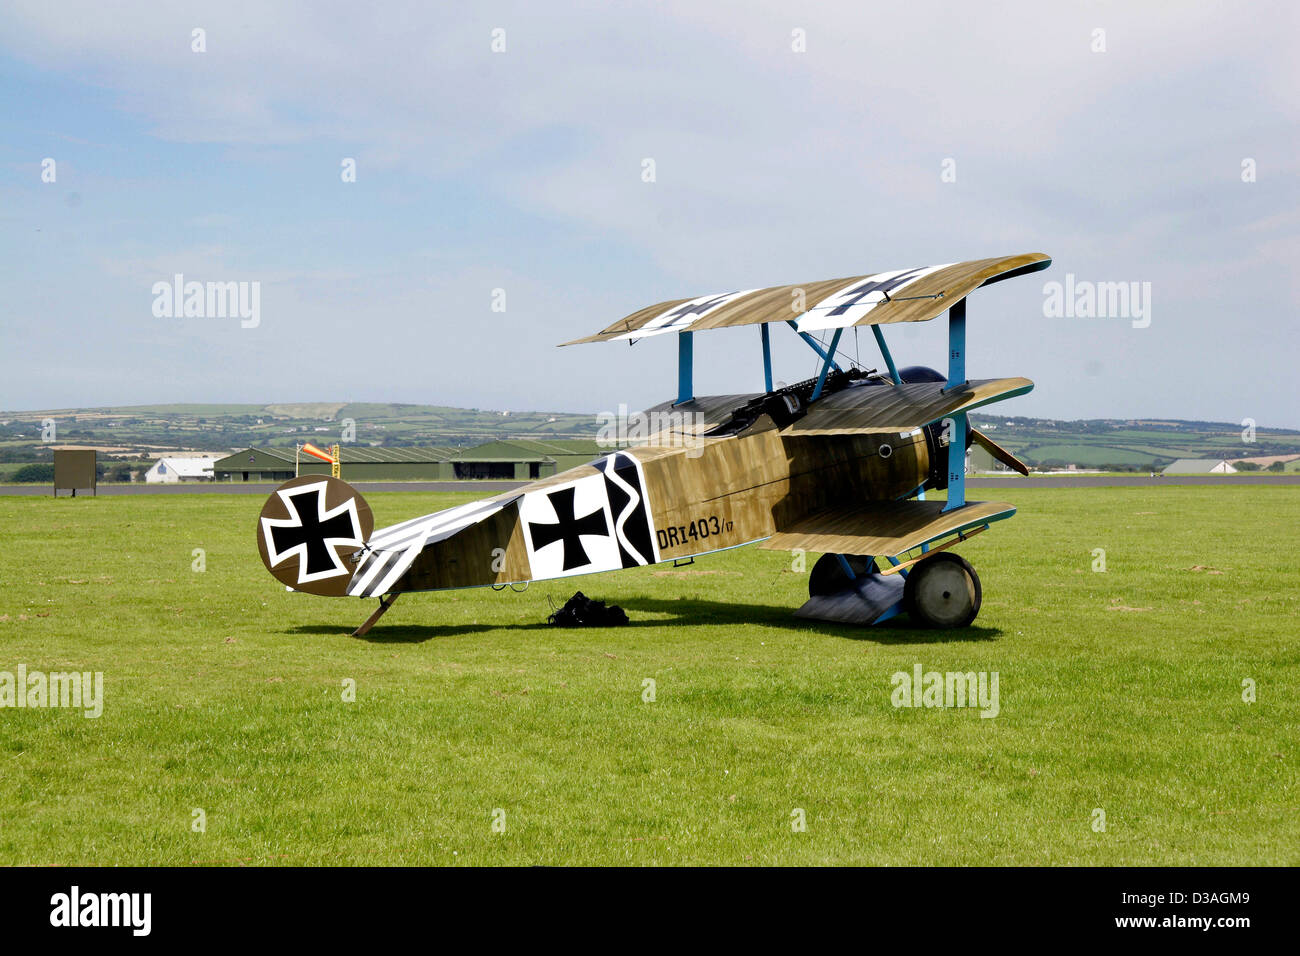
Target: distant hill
(133,432)
(1121,444)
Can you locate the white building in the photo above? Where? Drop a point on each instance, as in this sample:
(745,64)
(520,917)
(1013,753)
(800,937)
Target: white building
(1200,466)
(170,470)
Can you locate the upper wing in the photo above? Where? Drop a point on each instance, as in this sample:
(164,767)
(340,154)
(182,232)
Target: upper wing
(902,295)
(883,527)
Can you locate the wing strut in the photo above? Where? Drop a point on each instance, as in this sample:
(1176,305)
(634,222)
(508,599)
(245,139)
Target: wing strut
(685,367)
(884,350)
(812,343)
(826,366)
(767,357)
(956,461)
(957,379)
(956,346)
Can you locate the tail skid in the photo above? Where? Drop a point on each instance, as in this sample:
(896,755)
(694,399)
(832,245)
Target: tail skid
(384,604)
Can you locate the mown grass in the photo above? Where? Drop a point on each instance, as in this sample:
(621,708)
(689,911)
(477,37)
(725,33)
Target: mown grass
(1119,691)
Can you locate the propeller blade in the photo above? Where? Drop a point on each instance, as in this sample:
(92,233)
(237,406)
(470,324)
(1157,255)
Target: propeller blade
(998,452)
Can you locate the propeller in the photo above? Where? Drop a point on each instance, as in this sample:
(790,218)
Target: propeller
(998,452)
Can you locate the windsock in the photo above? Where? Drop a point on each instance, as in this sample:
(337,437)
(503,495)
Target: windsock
(310,449)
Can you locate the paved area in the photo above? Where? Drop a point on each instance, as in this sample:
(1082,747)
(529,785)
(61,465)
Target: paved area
(1126,481)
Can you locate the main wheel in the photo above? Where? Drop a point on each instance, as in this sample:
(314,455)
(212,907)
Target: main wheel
(828,575)
(942,590)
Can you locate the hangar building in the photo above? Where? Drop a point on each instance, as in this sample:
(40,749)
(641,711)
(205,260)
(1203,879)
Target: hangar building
(522,459)
(360,463)
(515,459)
(255,464)
(1200,466)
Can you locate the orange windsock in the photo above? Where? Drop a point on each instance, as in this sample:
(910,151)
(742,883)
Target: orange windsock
(310,449)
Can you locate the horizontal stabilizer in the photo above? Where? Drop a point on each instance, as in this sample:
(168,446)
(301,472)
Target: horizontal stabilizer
(391,551)
(883,527)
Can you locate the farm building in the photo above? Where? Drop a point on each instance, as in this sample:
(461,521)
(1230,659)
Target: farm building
(1199,466)
(168,471)
(510,459)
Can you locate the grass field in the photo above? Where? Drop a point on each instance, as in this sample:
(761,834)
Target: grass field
(1119,691)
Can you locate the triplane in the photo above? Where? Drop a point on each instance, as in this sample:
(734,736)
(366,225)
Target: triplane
(839,465)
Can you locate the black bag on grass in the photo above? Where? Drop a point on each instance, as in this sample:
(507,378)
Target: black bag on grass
(582,611)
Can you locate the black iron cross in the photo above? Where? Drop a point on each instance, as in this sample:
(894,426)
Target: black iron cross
(568,529)
(851,297)
(686,309)
(312,531)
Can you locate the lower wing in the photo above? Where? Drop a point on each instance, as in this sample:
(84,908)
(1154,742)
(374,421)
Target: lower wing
(884,528)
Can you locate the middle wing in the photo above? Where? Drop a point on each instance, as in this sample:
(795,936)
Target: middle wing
(893,408)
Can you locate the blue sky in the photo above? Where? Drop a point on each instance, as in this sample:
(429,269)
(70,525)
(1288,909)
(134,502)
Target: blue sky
(522,170)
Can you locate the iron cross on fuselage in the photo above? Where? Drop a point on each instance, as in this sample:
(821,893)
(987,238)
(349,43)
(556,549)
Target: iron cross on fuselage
(568,528)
